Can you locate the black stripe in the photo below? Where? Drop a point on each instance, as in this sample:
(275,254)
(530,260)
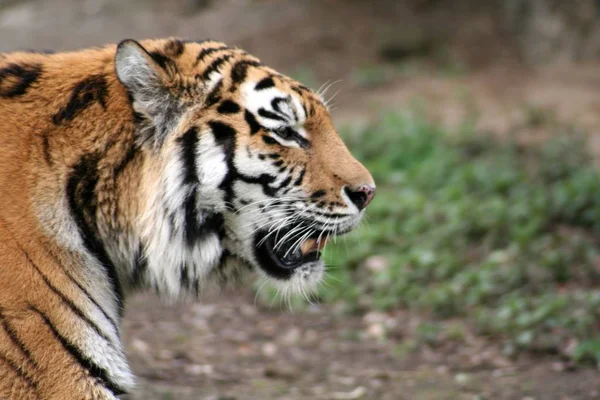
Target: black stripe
(15,79)
(305,110)
(302,92)
(270,115)
(285,183)
(165,62)
(140,268)
(20,373)
(213,223)
(184,277)
(72,279)
(317,194)
(252,122)
(46,149)
(81,187)
(214,66)
(264,180)
(214,96)
(129,157)
(190,229)
(224,256)
(288,133)
(84,94)
(301,141)
(12,334)
(298,181)
(208,51)
(174,48)
(196,231)
(77,311)
(189,144)
(297,90)
(86,293)
(225,136)
(94,370)
(228,107)
(265,83)
(240,71)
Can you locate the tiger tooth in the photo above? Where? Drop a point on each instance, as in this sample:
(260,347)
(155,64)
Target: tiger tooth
(309,246)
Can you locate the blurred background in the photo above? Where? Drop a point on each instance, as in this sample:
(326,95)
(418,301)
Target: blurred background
(476,274)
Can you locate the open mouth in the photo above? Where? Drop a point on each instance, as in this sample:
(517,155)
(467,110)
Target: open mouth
(279,254)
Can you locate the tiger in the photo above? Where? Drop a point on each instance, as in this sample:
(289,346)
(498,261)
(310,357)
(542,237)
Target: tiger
(166,165)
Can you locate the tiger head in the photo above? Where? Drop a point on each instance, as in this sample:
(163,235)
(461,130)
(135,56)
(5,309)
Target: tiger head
(250,174)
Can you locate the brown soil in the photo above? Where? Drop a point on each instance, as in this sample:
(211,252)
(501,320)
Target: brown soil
(455,63)
(227,348)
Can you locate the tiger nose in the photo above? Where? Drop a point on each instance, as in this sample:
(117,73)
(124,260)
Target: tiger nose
(361,196)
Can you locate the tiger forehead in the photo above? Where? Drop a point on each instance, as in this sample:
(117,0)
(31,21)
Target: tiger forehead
(193,60)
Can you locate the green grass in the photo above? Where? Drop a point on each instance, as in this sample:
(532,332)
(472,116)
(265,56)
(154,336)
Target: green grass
(502,235)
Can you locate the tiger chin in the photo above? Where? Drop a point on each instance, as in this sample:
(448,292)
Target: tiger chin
(167,165)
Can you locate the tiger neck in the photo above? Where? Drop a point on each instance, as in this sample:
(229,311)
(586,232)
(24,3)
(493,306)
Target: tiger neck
(135,214)
(88,147)
(59,194)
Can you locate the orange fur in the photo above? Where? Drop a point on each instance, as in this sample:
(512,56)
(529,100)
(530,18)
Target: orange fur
(69,114)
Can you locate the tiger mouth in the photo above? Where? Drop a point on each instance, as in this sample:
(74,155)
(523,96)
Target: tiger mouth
(280,256)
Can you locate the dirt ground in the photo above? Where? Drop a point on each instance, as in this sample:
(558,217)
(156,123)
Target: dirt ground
(453,65)
(226,348)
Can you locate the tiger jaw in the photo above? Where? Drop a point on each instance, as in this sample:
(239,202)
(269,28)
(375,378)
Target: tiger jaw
(289,256)
(280,254)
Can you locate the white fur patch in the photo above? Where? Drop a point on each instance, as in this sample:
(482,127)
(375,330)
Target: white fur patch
(212,169)
(254,100)
(163,220)
(213,80)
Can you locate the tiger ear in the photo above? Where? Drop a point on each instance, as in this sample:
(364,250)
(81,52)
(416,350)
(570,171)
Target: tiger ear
(144,78)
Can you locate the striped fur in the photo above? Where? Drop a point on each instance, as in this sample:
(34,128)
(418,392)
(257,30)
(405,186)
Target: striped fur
(145,166)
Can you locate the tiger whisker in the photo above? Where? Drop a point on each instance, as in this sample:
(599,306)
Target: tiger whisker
(269,218)
(324,91)
(328,101)
(322,86)
(279,199)
(270,232)
(274,231)
(290,234)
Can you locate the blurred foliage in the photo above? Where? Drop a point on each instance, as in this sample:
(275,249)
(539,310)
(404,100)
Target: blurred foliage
(463,225)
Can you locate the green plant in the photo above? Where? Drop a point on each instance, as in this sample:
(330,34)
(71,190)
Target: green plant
(588,350)
(500,234)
